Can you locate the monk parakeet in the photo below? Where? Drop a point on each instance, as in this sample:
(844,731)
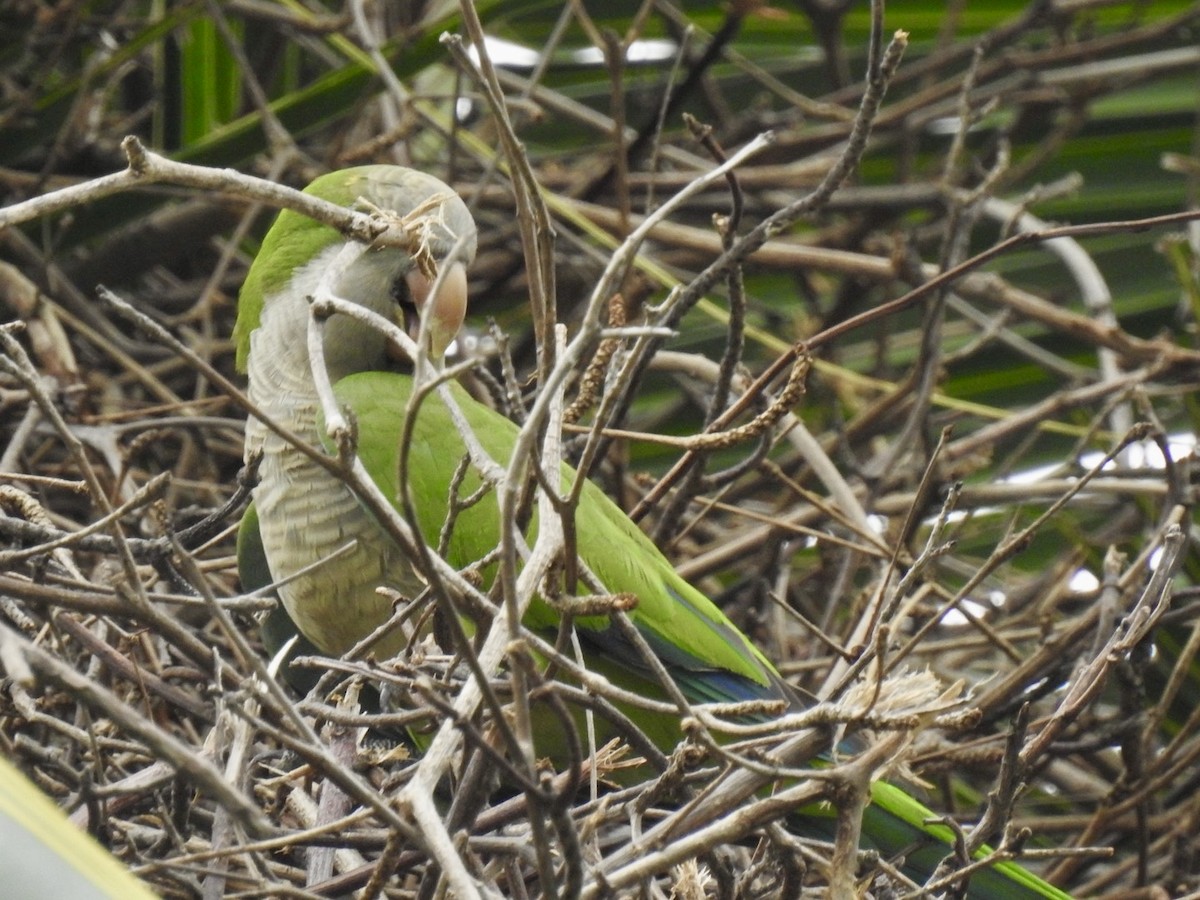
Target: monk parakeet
(329,555)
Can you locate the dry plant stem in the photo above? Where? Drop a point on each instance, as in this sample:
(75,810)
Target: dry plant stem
(1165,354)
(997,327)
(991,288)
(561,104)
(111,346)
(595,683)
(623,256)
(160,744)
(878,76)
(214,882)
(780,253)
(47,337)
(146,167)
(394,104)
(879,611)
(1136,625)
(853,795)
(14,665)
(670,103)
(1012,546)
(532,84)
(803,103)
(16,446)
(25,703)
(332,806)
(592,379)
(311,749)
(619,263)
(614,60)
(657,144)
(323,305)
(959,876)
(342,784)
(1179,677)
(272,696)
(739,785)
(881,72)
(794,431)
(300,804)
(983,287)
(148,493)
(1093,289)
(672,841)
(717,440)
(1059,64)
(240,231)
(555,545)
(370,41)
(671,517)
(90,601)
(727,227)
(957,230)
(630,633)
(1056,404)
(645,857)
(14,361)
(121,665)
(1003,797)
(533,218)
(1146,789)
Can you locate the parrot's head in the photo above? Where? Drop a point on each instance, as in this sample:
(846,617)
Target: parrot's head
(425,280)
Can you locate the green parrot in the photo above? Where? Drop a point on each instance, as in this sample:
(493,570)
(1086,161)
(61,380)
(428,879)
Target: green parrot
(302,514)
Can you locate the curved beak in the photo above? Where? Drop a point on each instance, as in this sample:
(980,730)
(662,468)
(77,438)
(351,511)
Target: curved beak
(442,312)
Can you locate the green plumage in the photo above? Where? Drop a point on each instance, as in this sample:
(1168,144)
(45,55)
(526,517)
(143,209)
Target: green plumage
(303,514)
(669,610)
(293,240)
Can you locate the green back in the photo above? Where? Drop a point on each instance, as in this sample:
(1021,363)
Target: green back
(680,623)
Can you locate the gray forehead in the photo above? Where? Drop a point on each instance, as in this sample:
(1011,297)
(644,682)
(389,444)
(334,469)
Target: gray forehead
(403,190)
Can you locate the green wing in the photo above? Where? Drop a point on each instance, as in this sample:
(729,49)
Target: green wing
(709,658)
(703,651)
(705,654)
